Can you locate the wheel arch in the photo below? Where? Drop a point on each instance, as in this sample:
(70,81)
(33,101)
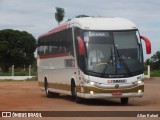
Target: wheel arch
(73,79)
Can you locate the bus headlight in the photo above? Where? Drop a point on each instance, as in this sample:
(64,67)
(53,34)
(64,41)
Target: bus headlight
(138,82)
(139,91)
(85,81)
(91,92)
(91,83)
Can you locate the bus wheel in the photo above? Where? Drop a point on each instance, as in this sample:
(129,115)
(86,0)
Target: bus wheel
(74,93)
(48,93)
(124,101)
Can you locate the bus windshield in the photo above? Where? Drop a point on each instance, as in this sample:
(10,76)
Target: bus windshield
(113,53)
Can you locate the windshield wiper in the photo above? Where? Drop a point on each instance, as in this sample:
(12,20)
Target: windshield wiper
(123,61)
(110,60)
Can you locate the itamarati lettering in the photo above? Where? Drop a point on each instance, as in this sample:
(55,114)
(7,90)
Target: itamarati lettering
(119,81)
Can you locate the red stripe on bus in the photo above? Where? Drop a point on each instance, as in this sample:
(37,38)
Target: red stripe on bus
(54,56)
(55,30)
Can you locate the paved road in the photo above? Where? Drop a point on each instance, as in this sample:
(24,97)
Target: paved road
(26,96)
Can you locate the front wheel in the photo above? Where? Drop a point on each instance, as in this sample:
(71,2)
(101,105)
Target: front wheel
(124,101)
(74,93)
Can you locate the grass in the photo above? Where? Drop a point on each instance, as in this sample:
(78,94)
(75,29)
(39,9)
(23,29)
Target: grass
(154,73)
(19,73)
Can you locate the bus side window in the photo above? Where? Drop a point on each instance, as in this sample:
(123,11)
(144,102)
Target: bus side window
(45,50)
(63,49)
(69,42)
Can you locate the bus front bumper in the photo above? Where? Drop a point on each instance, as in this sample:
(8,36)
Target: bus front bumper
(109,95)
(94,92)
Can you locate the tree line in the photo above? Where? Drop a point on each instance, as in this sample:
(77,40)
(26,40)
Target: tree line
(16,48)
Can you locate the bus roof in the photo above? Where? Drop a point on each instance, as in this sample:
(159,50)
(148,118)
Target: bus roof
(102,23)
(95,23)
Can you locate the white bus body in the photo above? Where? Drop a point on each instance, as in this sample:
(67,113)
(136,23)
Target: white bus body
(67,65)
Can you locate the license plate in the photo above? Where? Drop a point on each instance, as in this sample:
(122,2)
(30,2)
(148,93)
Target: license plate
(116,93)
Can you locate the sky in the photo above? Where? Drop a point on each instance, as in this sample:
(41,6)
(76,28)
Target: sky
(37,16)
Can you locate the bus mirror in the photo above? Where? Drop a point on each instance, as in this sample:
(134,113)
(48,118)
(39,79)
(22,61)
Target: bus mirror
(80,45)
(148,44)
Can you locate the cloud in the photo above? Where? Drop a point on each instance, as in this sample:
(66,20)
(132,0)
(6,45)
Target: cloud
(26,15)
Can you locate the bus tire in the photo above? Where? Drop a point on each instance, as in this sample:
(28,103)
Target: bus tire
(48,93)
(79,99)
(74,93)
(124,101)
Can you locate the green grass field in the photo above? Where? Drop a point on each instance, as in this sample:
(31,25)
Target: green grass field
(19,73)
(154,73)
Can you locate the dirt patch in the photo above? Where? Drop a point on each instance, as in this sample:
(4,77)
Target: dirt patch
(27,96)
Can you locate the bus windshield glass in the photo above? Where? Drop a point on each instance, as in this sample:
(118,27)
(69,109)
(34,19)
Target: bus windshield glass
(113,53)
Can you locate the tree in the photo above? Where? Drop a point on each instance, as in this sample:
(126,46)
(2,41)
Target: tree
(80,16)
(154,61)
(16,48)
(59,15)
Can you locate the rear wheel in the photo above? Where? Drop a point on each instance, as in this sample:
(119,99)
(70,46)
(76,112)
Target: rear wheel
(48,93)
(74,93)
(124,101)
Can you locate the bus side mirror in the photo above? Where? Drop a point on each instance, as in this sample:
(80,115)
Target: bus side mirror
(148,44)
(80,46)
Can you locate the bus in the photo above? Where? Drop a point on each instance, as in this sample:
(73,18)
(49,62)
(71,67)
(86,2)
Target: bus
(92,58)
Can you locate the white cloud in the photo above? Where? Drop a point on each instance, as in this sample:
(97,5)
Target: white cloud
(34,17)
